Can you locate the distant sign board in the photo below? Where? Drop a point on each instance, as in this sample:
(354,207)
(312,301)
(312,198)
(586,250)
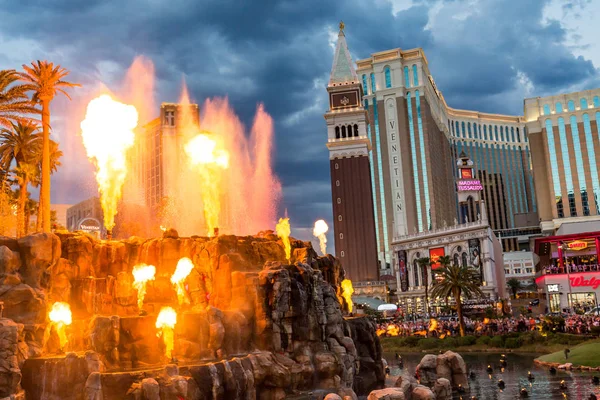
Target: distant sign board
(434,256)
(554,288)
(577,245)
(469,185)
(466,173)
(90,225)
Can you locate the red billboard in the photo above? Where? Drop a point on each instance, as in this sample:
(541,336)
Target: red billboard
(434,256)
(466,173)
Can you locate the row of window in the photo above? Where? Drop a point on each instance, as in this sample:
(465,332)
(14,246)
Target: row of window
(558,107)
(580,168)
(387,73)
(485,132)
(518,271)
(346,131)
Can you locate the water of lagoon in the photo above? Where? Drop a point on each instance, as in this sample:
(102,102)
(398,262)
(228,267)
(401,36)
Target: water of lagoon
(485,386)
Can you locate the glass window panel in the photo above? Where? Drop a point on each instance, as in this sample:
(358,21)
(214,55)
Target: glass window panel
(374,193)
(413,150)
(596,101)
(554,166)
(380,174)
(485,132)
(502,133)
(496,132)
(512,133)
(559,107)
(571,105)
(546,109)
(584,103)
(373,83)
(415,75)
(388,77)
(464,134)
(564,146)
(406,78)
(518,135)
(364,84)
(577,150)
(469,129)
(457,129)
(423,161)
(589,141)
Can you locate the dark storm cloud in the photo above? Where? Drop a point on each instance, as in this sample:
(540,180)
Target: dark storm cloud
(278,53)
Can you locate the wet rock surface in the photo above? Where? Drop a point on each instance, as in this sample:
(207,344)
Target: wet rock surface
(256,326)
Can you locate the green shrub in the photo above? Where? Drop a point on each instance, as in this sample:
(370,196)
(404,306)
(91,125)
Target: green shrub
(450,343)
(596,330)
(429,343)
(466,340)
(512,343)
(497,341)
(485,340)
(411,341)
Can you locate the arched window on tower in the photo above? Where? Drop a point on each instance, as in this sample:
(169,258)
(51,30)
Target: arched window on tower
(571,105)
(355,130)
(584,103)
(416,272)
(343,131)
(388,77)
(406,78)
(415,75)
(464,259)
(337,132)
(559,107)
(349,130)
(455,260)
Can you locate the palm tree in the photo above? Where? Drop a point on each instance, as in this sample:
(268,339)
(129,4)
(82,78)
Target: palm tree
(514,285)
(14,103)
(457,281)
(45,79)
(55,155)
(20,144)
(424,263)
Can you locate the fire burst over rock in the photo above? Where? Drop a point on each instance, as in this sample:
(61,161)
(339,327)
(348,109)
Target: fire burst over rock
(60,315)
(203,154)
(107,132)
(319,231)
(142,273)
(183,269)
(347,291)
(284,230)
(166,320)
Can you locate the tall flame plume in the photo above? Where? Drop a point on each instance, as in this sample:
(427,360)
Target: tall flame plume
(347,291)
(107,133)
(183,269)
(142,274)
(166,320)
(60,315)
(284,230)
(209,160)
(319,232)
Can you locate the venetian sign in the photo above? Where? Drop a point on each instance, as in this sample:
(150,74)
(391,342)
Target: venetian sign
(580,281)
(465,185)
(577,245)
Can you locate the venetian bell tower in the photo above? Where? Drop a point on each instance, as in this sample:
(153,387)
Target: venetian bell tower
(349,146)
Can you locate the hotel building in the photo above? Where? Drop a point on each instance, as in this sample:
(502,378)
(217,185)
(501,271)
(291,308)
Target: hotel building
(412,139)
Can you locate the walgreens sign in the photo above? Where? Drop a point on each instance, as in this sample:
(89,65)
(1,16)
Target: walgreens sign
(586,281)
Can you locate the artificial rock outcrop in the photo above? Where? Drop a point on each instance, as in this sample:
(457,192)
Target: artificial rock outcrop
(254,325)
(450,366)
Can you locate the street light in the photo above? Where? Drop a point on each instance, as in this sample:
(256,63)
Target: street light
(565,247)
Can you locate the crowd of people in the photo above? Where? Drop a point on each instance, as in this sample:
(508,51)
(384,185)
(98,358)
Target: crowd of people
(449,326)
(572,268)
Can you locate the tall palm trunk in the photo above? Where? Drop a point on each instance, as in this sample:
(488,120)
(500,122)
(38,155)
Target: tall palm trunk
(459,311)
(45,184)
(38,222)
(21,221)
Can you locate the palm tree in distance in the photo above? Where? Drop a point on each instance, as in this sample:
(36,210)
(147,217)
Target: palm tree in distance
(514,285)
(45,79)
(425,264)
(457,281)
(14,103)
(19,144)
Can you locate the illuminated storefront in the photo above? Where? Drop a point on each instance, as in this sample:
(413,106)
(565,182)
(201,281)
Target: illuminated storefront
(568,271)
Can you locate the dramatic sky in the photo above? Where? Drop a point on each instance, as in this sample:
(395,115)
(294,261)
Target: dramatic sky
(485,55)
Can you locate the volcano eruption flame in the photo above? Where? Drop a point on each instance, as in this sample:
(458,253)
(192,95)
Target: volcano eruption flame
(319,232)
(166,320)
(284,230)
(60,315)
(183,269)
(107,133)
(142,273)
(347,291)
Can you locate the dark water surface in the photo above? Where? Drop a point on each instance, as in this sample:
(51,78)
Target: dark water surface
(485,386)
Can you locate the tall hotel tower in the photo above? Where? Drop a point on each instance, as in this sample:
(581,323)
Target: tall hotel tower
(349,155)
(415,140)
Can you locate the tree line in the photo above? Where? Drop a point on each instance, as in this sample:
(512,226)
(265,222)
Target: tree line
(27,154)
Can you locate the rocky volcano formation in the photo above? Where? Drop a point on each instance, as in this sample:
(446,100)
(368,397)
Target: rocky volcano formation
(256,326)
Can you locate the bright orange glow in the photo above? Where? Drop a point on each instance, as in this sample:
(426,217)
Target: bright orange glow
(204,155)
(142,273)
(433,324)
(60,315)
(380,331)
(107,133)
(319,231)
(166,320)
(183,269)
(284,230)
(347,291)
(393,330)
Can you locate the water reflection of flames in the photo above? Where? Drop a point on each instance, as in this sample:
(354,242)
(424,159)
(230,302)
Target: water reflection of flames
(347,291)
(209,160)
(142,273)
(60,315)
(107,133)
(319,231)
(166,320)
(183,269)
(284,230)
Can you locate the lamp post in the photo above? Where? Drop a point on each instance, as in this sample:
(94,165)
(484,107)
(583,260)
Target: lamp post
(565,247)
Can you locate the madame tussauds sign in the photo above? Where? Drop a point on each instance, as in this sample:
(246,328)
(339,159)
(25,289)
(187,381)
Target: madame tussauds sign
(580,281)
